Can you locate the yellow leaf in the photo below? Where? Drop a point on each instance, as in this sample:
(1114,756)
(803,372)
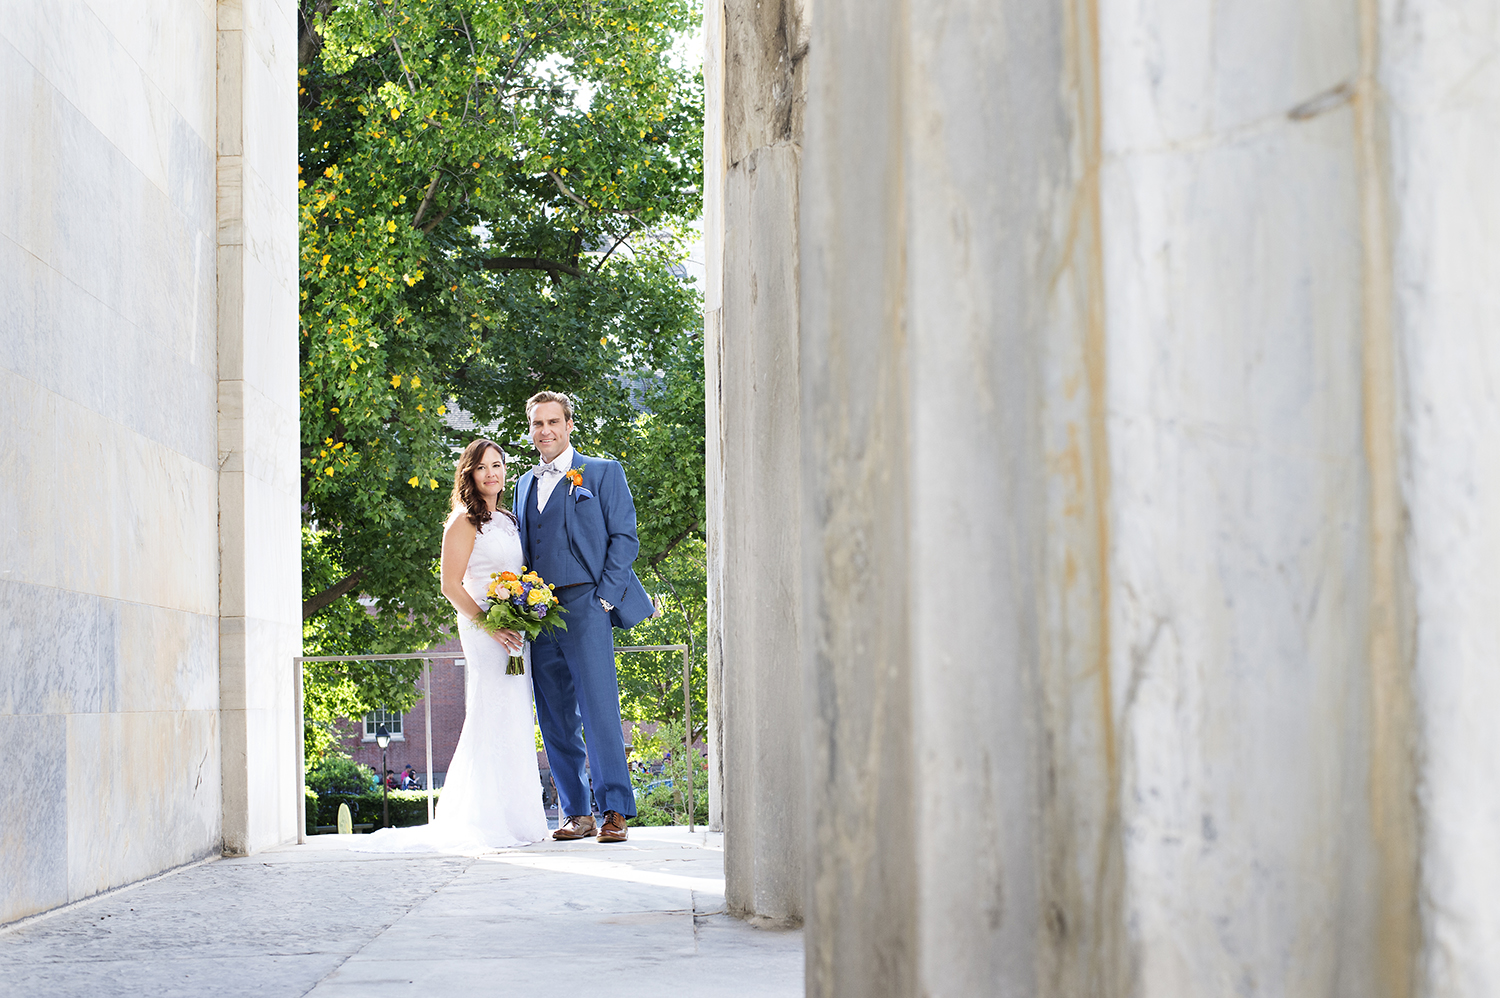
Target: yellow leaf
(390,226)
(434,482)
(416,382)
(442,409)
(328,471)
(412,481)
(603,340)
(395,381)
(395,112)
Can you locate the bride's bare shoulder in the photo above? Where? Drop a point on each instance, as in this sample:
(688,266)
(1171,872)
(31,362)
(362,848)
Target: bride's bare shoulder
(458,521)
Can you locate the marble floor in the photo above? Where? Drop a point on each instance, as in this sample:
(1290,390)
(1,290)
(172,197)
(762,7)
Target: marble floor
(645,918)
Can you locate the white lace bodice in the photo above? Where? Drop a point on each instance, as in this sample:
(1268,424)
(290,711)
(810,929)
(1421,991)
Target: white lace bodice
(497,548)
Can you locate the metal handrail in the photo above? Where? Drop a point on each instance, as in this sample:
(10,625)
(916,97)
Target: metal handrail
(428,657)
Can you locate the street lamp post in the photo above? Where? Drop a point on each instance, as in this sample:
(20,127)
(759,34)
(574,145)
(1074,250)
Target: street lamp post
(383,739)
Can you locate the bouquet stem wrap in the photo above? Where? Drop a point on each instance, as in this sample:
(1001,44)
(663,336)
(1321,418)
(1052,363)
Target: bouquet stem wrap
(521,603)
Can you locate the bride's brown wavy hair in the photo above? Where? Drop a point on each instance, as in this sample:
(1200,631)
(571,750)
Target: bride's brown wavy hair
(465,496)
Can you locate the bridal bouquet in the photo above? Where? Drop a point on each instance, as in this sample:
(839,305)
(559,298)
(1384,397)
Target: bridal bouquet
(521,603)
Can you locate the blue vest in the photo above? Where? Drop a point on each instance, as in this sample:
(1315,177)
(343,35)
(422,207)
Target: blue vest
(551,554)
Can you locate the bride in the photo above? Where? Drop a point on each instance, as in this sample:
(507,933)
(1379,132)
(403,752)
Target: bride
(492,797)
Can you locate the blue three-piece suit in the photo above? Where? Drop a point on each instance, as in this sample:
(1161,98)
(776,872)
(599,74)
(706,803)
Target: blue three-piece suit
(584,543)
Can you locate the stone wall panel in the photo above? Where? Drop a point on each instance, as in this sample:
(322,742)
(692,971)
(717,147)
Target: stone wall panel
(112,349)
(143,795)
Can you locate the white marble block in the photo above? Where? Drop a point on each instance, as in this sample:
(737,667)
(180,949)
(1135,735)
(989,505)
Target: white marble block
(114,554)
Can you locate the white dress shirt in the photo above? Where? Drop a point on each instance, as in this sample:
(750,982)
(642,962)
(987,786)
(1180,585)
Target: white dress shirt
(545,483)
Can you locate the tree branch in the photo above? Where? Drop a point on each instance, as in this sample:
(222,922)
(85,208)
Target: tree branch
(568,193)
(660,556)
(316,604)
(432,189)
(309,41)
(600,265)
(437,220)
(528,263)
(400,55)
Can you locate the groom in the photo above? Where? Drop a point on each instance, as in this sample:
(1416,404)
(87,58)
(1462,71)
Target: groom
(577,523)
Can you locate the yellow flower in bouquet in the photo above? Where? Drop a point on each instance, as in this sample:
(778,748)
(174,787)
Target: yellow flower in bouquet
(525,604)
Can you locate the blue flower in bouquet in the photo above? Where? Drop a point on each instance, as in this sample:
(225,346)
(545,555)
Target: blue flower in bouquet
(522,603)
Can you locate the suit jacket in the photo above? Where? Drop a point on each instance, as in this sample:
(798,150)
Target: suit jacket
(599,518)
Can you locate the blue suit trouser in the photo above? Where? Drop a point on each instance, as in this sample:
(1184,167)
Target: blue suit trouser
(573,675)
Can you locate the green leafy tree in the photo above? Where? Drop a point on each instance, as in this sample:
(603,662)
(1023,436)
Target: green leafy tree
(490,194)
(666,471)
(651,682)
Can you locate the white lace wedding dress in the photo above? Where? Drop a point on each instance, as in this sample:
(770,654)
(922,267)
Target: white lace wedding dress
(492,797)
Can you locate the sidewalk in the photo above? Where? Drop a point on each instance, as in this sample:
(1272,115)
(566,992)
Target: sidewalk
(644,918)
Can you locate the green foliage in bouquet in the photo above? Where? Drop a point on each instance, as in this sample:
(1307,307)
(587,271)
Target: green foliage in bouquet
(521,603)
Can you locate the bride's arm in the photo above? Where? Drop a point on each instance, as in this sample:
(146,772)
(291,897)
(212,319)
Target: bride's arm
(458,545)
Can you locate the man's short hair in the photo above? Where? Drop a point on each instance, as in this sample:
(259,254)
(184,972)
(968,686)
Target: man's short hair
(558,397)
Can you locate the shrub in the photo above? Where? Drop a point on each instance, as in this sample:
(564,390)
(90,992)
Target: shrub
(338,773)
(664,803)
(408,807)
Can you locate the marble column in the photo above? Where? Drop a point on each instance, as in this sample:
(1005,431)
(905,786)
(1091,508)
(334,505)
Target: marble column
(260,620)
(1437,121)
(957,673)
(1147,382)
(755,75)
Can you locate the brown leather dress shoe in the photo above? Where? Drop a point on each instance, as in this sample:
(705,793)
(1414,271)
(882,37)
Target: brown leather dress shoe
(576,827)
(613,829)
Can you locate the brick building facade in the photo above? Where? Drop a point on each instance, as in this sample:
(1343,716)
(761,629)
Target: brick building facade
(409,731)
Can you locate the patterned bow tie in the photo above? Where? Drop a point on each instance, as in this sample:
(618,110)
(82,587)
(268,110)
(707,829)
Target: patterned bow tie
(543,469)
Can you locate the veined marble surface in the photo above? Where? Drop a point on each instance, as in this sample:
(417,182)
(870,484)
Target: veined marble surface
(1157,340)
(148,449)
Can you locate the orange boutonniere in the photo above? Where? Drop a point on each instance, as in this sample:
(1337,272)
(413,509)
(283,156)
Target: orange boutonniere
(574,475)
